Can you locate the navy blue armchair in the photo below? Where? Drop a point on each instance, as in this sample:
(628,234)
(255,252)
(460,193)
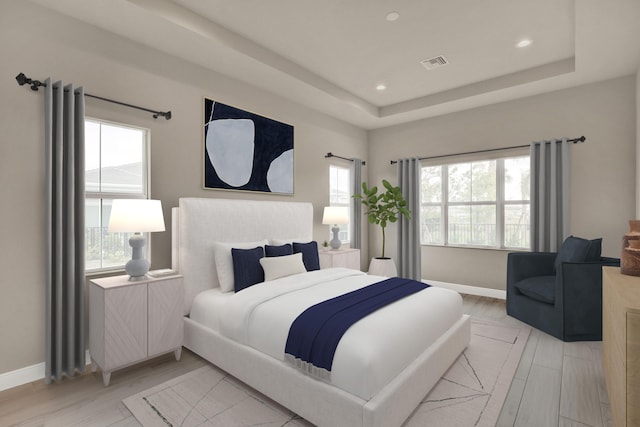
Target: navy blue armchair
(563,299)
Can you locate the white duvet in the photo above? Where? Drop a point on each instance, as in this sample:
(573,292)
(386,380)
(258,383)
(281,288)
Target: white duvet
(371,353)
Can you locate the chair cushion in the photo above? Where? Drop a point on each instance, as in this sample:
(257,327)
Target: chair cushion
(574,249)
(539,288)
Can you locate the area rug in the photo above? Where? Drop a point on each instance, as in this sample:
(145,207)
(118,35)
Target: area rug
(471,393)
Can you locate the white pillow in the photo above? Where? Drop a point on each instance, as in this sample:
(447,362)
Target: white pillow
(224,261)
(280,242)
(282,266)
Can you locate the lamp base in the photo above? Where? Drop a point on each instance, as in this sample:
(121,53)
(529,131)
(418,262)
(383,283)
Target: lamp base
(335,242)
(137,267)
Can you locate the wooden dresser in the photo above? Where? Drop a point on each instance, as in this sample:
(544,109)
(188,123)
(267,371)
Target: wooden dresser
(621,344)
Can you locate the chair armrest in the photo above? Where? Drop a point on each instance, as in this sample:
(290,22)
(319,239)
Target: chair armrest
(579,297)
(610,262)
(522,265)
(581,280)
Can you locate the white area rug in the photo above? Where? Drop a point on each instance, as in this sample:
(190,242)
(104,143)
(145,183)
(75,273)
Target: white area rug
(471,393)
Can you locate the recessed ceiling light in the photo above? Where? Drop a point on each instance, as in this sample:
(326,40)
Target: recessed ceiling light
(381,87)
(392,16)
(523,43)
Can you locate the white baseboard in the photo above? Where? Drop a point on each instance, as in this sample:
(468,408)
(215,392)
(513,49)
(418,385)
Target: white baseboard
(471,290)
(26,375)
(21,376)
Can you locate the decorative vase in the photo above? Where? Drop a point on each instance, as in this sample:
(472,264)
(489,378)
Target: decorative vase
(630,257)
(383,267)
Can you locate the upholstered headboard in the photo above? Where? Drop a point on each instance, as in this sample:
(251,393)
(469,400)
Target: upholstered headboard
(198,223)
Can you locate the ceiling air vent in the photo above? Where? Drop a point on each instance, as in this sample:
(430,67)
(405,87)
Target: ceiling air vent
(435,62)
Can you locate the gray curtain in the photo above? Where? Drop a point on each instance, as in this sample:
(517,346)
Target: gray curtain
(356,205)
(409,252)
(64,152)
(549,194)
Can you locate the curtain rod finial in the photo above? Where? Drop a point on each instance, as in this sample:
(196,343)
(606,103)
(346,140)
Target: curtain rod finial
(21,79)
(166,115)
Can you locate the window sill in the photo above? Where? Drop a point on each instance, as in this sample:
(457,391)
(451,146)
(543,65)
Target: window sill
(486,248)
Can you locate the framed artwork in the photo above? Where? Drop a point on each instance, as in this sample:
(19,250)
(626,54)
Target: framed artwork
(246,151)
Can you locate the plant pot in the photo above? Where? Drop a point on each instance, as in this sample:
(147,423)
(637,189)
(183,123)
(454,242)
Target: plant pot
(383,267)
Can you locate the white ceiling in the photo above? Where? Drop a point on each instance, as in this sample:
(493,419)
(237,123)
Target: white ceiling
(330,55)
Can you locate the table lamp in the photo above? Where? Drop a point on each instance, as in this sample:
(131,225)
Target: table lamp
(335,215)
(136,216)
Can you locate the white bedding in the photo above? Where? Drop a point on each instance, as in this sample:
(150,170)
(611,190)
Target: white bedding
(207,307)
(370,354)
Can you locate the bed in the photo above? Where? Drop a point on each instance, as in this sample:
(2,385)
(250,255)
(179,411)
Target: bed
(372,383)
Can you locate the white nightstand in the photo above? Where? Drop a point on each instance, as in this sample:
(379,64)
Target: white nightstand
(131,321)
(349,258)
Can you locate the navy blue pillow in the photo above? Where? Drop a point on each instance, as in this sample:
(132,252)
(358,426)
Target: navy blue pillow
(595,250)
(282,250)
(574,249)
(309,254)
(247,270)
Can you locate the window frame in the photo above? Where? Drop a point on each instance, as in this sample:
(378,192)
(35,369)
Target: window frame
(348,205)
(100,196)
(500,202)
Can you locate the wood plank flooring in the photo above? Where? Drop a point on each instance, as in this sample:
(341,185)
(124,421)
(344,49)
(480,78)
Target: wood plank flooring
(556,384)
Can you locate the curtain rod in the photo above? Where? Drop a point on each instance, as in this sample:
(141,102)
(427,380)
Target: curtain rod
(574,140)
(35,84)
(330,154)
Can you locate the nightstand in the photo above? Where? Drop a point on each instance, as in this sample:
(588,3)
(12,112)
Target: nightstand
(131,321)
(348,258)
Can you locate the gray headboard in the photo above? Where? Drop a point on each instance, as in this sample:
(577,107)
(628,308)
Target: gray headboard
(198,223)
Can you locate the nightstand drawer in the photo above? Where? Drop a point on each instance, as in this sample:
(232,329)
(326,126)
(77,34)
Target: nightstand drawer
(347,258)
(165,315)
(125,326)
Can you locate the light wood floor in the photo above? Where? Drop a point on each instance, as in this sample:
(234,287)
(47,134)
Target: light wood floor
(557,384)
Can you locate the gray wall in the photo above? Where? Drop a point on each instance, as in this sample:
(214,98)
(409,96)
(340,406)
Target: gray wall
(40,44)
(602,169)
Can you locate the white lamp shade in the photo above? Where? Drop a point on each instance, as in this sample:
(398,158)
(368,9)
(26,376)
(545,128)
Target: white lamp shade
(136,216)
(335,215)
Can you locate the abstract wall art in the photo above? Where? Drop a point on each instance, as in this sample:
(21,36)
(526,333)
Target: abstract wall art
(246,151)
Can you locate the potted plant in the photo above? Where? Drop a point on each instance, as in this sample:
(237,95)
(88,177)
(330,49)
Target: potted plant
(383,208)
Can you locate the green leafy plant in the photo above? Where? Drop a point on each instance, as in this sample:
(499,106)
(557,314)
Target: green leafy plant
(383,208)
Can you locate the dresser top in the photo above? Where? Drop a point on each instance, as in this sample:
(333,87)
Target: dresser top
(123,280)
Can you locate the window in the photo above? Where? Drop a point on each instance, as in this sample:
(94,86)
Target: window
(116,167)
(481,203)
(340,195)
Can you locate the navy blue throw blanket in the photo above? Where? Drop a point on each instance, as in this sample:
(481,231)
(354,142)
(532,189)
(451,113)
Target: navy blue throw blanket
(316,332)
